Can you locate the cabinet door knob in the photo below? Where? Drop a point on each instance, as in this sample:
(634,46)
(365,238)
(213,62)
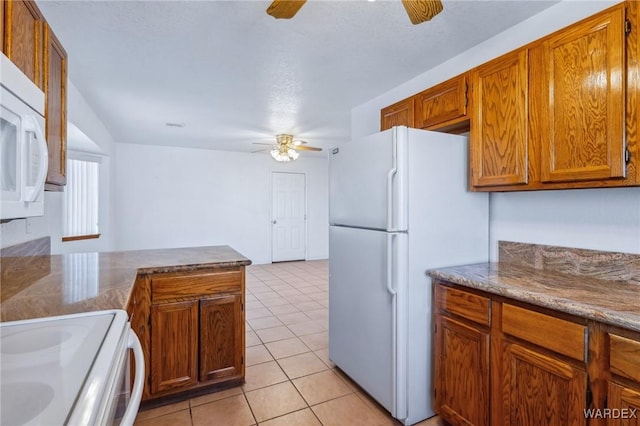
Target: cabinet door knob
(274,221)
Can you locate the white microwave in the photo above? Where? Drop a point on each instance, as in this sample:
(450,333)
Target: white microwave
(23,148)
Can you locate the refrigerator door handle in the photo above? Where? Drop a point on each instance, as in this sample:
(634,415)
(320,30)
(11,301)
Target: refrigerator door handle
(390,177)
(394,339)
(392,291)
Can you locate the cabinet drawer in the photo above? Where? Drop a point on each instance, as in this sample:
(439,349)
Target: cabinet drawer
(624,356)
(561,336)
(442,103)
(180,285)
(467,305)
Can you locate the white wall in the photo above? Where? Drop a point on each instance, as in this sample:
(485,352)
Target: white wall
(602,219)
(20,230)
(179,197)
(599,219)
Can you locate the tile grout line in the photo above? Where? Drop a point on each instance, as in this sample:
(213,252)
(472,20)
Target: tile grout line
(290,380)
(244,394)
(290,285)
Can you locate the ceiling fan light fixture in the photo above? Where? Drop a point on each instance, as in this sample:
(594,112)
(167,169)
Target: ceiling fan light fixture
(285,149)
(281,152)
(284,139)
(293,154)
(276,155)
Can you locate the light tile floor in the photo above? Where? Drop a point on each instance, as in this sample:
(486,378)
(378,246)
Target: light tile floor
(289,378)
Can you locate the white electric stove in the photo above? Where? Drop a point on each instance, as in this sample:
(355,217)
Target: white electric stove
(69,370)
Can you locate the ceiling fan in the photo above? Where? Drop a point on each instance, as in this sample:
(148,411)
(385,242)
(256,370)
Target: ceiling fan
(285,148)
(418,10)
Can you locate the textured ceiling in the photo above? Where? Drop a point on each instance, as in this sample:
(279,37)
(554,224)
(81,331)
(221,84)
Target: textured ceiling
(234,75)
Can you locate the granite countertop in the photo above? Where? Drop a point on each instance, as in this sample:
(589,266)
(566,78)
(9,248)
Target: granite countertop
(41,286)
(608,301)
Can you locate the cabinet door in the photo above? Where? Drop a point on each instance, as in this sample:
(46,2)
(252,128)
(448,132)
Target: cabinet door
(221,338)
(55,88)
(398,114)
(585,66)
(627,402)
(499,124)
(541,390)
(174,346)
(2,26)
(462,372)
(442,104)
(23,37)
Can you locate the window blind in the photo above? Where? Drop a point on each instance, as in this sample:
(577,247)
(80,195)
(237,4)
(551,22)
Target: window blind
(81,197)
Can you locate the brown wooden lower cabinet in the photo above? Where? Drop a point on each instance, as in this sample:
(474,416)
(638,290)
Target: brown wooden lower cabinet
(191,327)
(462,366)
(502,362)
(627,404)
(623,393)
(541,389)
(221,343)
(174,343)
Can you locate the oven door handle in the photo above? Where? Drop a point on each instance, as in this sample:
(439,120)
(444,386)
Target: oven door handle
(138,382)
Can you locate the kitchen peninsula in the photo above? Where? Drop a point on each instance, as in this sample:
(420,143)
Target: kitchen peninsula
(185,304)
(546,332)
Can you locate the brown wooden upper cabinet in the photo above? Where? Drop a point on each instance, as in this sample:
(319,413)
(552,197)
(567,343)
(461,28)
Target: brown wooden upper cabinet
(22,37)
(561,122)
(561,112)
(499,125)
(55,88)
(444,106)
(2,24)
(27,40)
(399,114)
(582,121)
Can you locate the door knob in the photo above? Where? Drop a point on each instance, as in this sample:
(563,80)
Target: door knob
(274,221)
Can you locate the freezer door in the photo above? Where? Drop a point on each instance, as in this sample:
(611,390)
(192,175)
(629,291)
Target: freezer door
(367,182)
(363,308)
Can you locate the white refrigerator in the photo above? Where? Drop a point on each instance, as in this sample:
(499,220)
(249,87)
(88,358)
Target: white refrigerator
(398,206)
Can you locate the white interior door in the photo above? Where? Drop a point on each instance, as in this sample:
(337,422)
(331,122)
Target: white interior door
(289,231)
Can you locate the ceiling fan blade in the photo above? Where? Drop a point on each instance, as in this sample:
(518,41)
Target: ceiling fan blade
(306,148)
(285,9)
(260,150)
(422,10)
(261,143)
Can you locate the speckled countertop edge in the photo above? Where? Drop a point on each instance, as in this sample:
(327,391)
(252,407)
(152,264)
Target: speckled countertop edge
(41,286)
(615,303)
(194,267)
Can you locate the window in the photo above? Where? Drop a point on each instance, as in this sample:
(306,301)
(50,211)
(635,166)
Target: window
(81,198)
